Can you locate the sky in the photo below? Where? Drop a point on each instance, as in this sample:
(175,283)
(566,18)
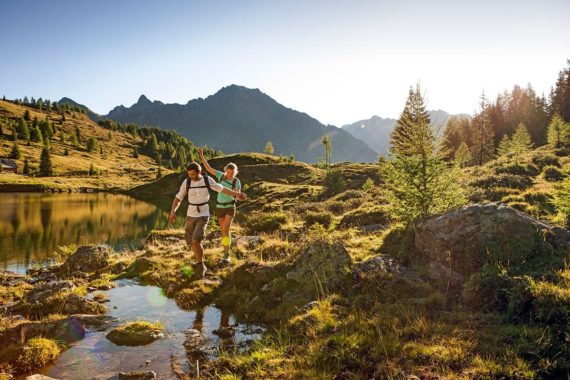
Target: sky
(338,61)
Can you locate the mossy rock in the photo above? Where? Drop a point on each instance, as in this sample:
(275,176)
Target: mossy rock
(137,333)
(24,358)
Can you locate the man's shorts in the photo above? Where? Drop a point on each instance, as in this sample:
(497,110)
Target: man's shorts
(195,228)
(223,211)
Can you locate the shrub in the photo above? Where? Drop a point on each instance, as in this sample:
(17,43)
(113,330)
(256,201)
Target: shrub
(552,174)
(366,216)
(266,222)
(518,169)
(544,159)
(323,218)
(334,182)
(511,181)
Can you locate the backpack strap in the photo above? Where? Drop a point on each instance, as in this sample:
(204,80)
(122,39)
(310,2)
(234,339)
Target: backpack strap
(206,185)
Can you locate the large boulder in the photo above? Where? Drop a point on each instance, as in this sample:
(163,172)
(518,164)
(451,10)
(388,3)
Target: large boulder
(459,242)
(87,259)
(273,292)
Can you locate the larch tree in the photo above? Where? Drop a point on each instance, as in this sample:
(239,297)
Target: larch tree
(418,180)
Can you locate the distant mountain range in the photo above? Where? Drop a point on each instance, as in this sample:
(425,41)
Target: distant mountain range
(239,119)
(376,130)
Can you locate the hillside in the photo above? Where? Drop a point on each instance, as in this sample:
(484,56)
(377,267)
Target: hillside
(238,119)
(376,130)
(114,166)
(480,292)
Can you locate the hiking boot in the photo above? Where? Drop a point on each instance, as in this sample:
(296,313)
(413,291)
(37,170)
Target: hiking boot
(227,259)
(200,270)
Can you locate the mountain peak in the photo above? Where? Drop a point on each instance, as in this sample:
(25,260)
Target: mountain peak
(143,100)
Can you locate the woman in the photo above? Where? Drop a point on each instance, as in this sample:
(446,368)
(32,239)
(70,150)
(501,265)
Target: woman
(225,204)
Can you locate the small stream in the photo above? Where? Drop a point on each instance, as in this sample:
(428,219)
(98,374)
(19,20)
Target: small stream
(95,357)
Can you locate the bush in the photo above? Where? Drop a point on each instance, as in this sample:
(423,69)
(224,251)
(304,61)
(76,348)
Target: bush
(544,159)
(511,181)
(518,169)
(334,182)
(323,218)
(365,216)
(266,222)
(552,174)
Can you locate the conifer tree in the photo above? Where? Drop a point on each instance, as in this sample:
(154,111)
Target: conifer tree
(26,166)
(413,116)
(558,132)
(463,155)
(326,141)
(46,168)
(269,148)
(15,153)
(483,136)
(418,180)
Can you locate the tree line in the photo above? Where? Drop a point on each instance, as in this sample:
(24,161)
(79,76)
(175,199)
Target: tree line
(514,122)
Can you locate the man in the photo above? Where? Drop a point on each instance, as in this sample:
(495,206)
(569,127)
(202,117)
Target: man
(198,213)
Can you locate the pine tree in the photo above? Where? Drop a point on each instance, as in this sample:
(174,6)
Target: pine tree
(418,180)
(27,115)
(24,131)
(13,133)
(135,152)
(326,141)
(414,116)
(92,145)
(483,136)
(504,147)
(66,152)
(521,141)
(463,155)
(558,132)
(46,169)
(26,166)
(78,134)
(153,144)
(36,135)
(15,153)
(92,169)
(269,148)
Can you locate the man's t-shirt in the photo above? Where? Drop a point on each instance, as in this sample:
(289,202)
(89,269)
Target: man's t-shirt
(224,198)
(197,194)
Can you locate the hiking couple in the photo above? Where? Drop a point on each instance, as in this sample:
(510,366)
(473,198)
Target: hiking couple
(197,188)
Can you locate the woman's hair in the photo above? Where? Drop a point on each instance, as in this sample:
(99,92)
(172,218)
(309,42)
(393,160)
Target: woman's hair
(233,166)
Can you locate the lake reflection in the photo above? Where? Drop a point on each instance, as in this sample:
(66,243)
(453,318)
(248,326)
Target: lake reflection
(33,226)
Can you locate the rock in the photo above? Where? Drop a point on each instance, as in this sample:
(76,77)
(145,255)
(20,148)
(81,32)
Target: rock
(41,293)
(87,259)
(327,264)
(224,332)
(39,377)
(8,278)
(375,264)
(274,291)
(137,375)
(135,334)
(460,240)
(440,272)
